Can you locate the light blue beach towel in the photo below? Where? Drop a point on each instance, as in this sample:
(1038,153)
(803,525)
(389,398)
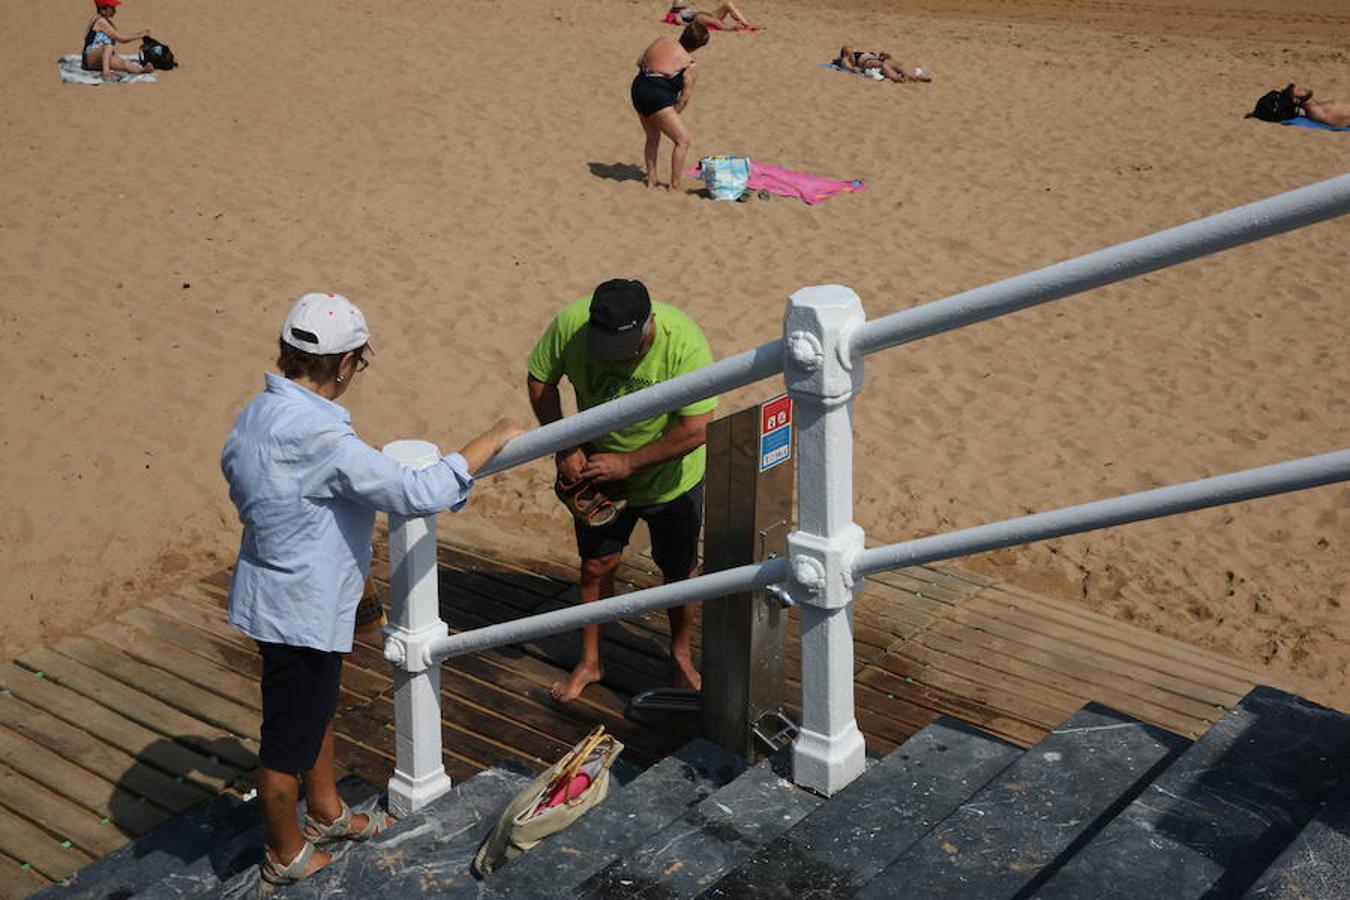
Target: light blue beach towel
(1305,122)
(73,72)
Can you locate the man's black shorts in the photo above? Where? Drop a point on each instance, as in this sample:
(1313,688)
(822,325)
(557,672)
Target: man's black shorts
(674,528)
(299,698)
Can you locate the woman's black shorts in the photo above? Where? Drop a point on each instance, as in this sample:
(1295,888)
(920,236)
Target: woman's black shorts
(653,93)
(299,698)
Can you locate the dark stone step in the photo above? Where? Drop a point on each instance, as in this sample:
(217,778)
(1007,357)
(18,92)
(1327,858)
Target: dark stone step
(1035,813)
(698,848)
(188,855)
(627,816)
(1316,866)
(429,852)
(246,881)
(202,832)
(848,840)
(1210,824)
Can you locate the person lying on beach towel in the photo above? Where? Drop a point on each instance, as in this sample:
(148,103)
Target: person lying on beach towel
(685,14)
(865,62)
(101,40)
(1295,100)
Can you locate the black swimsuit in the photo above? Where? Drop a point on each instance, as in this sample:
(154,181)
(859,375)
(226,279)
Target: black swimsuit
(652,93)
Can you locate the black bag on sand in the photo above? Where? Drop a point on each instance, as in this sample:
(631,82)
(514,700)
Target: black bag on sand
(157,54)
(1275,106)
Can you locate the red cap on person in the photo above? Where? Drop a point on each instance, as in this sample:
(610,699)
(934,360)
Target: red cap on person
(107,2)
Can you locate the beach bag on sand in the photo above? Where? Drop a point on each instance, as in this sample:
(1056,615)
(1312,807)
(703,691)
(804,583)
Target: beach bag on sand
(1275,106)
(157,54)
(554,800)
(726,176)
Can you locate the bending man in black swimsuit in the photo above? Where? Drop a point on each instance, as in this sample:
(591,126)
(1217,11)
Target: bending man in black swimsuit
(660,92)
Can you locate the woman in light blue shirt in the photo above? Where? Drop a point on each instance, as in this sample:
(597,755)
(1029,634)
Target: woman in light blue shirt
(307,490)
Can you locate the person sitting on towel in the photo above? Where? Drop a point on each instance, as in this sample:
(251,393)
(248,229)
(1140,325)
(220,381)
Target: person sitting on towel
(687,14)
(101,40)
(866,61)
(1328,112)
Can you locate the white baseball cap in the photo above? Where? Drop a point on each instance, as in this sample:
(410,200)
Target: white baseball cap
(325,323)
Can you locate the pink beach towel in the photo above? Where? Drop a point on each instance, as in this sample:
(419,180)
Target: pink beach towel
(811,189)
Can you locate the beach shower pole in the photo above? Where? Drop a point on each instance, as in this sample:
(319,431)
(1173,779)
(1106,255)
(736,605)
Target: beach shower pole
(822,375)
(414,621)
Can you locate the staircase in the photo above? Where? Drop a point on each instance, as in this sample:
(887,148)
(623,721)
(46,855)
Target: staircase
(1105,806)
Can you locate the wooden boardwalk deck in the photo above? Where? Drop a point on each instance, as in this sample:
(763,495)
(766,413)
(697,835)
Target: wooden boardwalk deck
(107,734)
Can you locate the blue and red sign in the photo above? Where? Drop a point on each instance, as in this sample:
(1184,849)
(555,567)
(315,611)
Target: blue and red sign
(775,432)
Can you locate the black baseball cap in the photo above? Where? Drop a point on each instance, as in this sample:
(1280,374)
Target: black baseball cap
(620,309)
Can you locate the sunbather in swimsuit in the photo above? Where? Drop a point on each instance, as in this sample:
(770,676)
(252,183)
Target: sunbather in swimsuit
(101,40)
(855,60)
(687,15)
(660,90)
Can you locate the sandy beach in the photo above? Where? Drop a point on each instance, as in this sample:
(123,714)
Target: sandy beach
(461,174)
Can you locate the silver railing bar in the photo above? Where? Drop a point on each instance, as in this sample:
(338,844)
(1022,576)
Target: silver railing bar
(705,587)
(1212,234)
(1249,484)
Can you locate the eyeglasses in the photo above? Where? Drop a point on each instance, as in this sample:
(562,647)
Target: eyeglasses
(361,363)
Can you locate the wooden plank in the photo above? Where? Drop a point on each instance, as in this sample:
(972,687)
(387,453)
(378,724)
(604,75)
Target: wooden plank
(354,759)
(478,707)
(482,750)
(142,708)
(104,760)
(892,707)
(915,593)
(531,678)
(202,704)
(117,730)
(94,833)
(1104,626)
(1099,683)
(19,879)
(1117,657)
(364,672)
(53,857)
(134,814)
(224,682)
(1038,712)
(957,705)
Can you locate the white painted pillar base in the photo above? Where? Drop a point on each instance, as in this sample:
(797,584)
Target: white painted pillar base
(822,376)
(414,622)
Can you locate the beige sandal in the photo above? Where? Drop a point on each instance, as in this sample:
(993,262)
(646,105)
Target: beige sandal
(340,829)
(296,870)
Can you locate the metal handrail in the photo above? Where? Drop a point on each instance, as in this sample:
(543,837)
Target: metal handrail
(1212,234)
(1249,484)
(825,337)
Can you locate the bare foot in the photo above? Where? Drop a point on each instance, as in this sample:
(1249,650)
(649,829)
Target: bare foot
(684,675)
(570,688)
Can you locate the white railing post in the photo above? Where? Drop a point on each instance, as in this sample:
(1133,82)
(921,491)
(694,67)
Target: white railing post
(822,376)
(414,622)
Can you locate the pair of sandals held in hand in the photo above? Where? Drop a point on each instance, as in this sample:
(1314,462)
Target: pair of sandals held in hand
(588,502)
(317,833)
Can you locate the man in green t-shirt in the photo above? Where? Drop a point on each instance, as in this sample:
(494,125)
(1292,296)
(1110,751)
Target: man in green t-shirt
(613,343)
